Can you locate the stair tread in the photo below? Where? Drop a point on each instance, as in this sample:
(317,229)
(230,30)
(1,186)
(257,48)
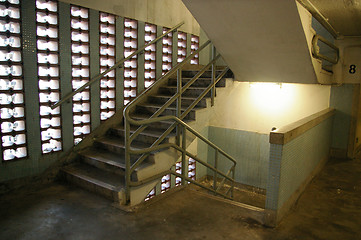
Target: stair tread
(104,156)
(96,176)
(110,158)
(200,78)
(119,142)
(189,88)
(149,132)
(160,105)
(140,116)
(169,96)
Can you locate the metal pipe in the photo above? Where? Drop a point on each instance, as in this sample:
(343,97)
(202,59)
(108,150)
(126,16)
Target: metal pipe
(127,162)
(315,49)
(213,91)
(179,102)
(118,64)
(184,160)
(319,17)
(216,167)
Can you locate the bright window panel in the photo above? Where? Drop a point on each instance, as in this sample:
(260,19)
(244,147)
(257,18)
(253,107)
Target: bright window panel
(80,71)
(107,60)
(12,119)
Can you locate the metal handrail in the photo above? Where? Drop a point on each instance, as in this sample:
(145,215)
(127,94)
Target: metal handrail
(116,65)
(316,52)
(180,145)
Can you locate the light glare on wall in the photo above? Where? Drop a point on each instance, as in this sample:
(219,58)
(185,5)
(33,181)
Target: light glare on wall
(271,97)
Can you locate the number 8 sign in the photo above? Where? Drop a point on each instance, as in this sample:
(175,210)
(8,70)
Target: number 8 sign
(352,64)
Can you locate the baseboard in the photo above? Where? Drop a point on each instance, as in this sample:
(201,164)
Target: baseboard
(338,153)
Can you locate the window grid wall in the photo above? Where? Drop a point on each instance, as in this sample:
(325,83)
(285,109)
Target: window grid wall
(165,183)
(182,46)
(80,71)
(13,133)
(107,60)
(48,74)
(149,55)
(167,43)
(194,47)
(150,195)
(130,66)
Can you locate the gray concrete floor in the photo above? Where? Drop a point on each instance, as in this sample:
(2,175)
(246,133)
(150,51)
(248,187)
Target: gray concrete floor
(330,208)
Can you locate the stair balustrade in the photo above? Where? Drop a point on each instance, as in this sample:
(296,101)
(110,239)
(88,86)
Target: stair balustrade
(178,124)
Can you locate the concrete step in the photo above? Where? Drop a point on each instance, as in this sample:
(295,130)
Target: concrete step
(190,92)
(206,74)
(151,108)
(158,126)
(109,161)
(116,145)
(200,82)
(147,135)
(186,101)
(102,182)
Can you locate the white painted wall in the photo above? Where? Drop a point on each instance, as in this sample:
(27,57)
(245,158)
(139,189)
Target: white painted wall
(258,107)
(166,13)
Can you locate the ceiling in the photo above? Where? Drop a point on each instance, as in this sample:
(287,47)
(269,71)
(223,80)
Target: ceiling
(343,15)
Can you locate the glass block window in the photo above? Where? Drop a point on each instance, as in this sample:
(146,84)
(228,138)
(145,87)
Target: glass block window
(178,169)
(192,169)
(167,51)
(182,46)
(165,184)
(48,73)
(130,66)
(80,71)
(12,120)
(107,60)
(149,55)
(194,47)
(150,195)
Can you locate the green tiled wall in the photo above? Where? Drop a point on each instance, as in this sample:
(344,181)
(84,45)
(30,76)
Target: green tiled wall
(291,164)
(249,149)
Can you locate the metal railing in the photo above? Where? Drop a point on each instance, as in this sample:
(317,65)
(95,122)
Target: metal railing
(181,129)
(118,64)
(316,49)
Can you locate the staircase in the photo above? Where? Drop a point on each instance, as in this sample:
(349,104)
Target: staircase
(100,168)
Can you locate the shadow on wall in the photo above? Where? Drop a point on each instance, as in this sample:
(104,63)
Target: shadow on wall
(249,149)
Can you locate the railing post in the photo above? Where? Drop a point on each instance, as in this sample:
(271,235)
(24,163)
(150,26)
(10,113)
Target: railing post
(234,168)
(127,161)
(216,167)
(184,160)
(213,91)
(179,103)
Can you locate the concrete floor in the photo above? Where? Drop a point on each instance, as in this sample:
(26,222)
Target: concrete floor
(330,208)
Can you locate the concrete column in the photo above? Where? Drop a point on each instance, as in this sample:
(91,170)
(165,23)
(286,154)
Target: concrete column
(94,67)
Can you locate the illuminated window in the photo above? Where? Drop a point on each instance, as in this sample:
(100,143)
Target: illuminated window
(12,119)
(182,46)
(192,169)
(178,169)
(48,72)
(194,47)
(107,60)
(150,195)
(150,53)
(167,51)
(165,184)
(130,66)
(80,71)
